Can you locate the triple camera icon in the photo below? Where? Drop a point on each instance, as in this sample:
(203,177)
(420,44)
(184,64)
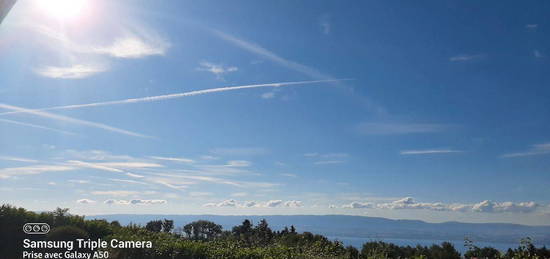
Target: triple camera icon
(36,228)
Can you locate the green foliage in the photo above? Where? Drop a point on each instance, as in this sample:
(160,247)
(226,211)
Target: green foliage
(202,230)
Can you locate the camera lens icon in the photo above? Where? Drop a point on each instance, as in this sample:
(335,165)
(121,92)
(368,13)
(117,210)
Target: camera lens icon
(36,228)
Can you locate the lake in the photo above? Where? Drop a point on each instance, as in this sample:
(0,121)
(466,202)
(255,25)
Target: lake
(458,244)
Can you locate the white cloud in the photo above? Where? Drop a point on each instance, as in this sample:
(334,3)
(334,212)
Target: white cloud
(250,204)
(71,72)
(119,202)
(227,203)
(217,69)
(358,205)
(174,159)
(428,151)
(85,201)
(399,128)
(238,163)
(537,149)
(134,202)
(293,204)
(466,57)
(273,203)
(409,203)
(492,207)
(255,204)
(537,54)
(484,206)
(268,95)
(133,47)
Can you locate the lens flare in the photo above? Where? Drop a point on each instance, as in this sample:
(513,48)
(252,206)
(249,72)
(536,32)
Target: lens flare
(63,9)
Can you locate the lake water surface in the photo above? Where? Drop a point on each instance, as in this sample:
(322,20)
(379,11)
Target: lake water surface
(458,244)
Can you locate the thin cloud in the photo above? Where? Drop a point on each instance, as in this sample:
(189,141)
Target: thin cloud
(134,202)
(268,95)
(329,162)
(255,204)
(128,181)
(174,159)
(115,193)
(466,57)
(483,207)
(358,205)
(18,159)
(133,47)
(85,201)
(177,95)
(79,181)
(537,54)
(238,163)
(258,50)
(217,69)
(537,149)
(399,128)
(239,151)
(289,175)
(37,126)
(200,194)
(428,151)
(325,24)
(72,72)
(71,120)
(32,170)
(293,204)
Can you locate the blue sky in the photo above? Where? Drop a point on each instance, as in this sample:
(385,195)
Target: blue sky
(445,116)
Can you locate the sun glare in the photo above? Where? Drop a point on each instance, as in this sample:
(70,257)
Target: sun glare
(63,9)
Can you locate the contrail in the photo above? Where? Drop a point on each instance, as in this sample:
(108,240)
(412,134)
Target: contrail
(71,120)
(36,126)
(176,95)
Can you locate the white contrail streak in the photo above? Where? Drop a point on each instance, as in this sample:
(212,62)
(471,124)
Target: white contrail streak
(70,120)
(36,126)
(259,50)
(177,95)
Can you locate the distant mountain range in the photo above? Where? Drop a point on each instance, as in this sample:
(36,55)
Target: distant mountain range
(364,227)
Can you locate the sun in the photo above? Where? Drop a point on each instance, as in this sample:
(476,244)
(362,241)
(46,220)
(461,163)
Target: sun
(63,9)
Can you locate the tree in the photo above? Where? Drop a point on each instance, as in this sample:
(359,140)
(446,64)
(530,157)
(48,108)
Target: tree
(167,225)
(154,225)
(262,233)
(202,230)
